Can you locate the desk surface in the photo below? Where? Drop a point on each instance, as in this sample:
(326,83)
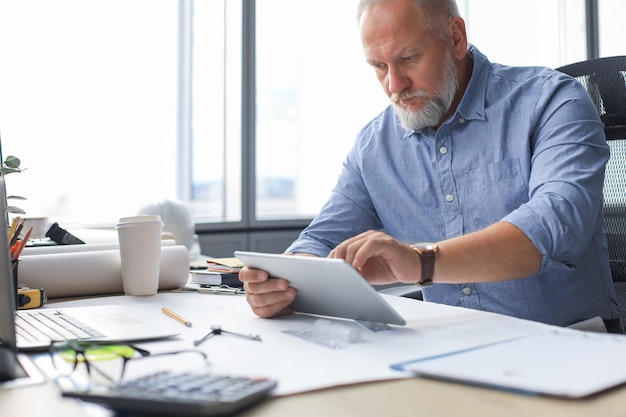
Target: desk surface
(392,397)
(389,398)
(434,399)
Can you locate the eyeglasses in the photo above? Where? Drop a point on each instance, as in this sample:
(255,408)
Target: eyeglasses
(106,364)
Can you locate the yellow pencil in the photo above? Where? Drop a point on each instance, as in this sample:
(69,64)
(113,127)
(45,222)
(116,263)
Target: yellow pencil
(13,227)
(176,317)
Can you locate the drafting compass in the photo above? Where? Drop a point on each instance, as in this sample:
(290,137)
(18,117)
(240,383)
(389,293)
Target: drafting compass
(217,330)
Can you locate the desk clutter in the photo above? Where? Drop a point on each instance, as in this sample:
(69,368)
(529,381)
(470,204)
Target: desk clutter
(17,241)
(26,297)
(433,331)
(218,272)
(93,269)
(306,353)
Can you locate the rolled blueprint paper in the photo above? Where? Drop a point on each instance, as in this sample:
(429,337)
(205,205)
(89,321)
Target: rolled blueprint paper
(95,272)
(88,247)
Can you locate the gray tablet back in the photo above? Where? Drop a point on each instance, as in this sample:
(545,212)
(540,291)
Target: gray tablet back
(325,286)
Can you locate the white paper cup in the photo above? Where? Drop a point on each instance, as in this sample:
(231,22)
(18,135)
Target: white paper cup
(140,253)
(39,225)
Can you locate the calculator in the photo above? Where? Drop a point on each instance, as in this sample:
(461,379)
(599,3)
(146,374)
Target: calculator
(178,393)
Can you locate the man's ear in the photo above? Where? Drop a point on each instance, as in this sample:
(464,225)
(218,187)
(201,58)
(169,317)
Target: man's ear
(457,37)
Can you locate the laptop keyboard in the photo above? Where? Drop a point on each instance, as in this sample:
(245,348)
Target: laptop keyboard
(175,392)
(50,325)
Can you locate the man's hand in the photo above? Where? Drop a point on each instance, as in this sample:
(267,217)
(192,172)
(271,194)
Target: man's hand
(379,258)
(268,297)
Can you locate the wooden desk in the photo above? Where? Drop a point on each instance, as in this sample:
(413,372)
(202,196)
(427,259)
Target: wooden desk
(435,399)
(390,398)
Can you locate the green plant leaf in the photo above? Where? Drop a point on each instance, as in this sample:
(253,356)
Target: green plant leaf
(6,170)
(10,165)
(12,162)
(13,209)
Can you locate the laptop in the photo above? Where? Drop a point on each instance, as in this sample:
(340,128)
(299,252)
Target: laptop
(326,286)
(112,323)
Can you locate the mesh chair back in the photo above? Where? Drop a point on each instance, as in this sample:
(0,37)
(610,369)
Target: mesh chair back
(605,81)
(615,209)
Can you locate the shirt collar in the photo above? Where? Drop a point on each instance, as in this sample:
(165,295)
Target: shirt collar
(472,105)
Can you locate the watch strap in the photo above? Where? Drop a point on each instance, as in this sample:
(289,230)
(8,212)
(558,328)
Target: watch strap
(426,252)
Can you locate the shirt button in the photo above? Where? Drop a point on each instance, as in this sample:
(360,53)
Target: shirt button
(449,198)
(462,120)
(443,150)
(467,291)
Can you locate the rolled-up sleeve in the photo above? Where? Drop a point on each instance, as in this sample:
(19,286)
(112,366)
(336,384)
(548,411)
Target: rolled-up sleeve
(566,176)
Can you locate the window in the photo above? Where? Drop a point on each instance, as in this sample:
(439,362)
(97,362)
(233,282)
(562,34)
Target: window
(611,27)
(89,103)
(314,93)
(112,104)
(212,103)
(530,32)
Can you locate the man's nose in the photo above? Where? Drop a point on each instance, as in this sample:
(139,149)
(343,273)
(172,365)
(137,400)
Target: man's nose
(397,79)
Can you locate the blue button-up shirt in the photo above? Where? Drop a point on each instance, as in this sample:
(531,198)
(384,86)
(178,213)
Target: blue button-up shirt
(525,146)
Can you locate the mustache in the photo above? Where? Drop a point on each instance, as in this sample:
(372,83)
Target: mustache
(396,97)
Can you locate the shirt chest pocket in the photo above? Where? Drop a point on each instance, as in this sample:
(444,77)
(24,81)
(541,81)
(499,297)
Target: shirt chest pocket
(493,191)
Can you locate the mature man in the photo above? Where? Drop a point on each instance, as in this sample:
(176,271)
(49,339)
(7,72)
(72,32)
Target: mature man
(501,166)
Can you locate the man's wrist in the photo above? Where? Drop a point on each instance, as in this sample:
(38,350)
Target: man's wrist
(426,252)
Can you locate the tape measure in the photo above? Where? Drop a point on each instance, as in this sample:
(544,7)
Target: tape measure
(28,298)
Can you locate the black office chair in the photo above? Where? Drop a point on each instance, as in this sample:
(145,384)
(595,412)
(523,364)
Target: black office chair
(605,81)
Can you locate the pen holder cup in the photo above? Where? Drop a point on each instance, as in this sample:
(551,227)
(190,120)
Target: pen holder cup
(14,265)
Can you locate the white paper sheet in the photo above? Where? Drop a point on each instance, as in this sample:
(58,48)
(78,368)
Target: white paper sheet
(562,362)
(300,365)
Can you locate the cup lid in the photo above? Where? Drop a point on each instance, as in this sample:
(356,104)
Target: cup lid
(143,218)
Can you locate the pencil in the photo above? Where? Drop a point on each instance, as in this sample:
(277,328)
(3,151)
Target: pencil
(16,219)
(175,316)
(17,232)
(23,244)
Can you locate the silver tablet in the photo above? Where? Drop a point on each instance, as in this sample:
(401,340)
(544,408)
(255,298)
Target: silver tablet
(325,286)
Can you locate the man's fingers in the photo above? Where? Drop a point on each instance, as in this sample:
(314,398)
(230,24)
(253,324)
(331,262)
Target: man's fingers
(269,298)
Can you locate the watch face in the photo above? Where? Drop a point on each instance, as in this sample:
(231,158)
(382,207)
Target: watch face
(426,246)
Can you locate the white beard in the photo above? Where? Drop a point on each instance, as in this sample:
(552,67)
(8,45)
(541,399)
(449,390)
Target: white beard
(435,108)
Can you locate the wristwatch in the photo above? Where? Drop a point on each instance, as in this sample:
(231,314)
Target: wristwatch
(426,251)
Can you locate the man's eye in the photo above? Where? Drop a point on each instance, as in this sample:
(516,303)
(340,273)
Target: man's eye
(408,58)
(380,66)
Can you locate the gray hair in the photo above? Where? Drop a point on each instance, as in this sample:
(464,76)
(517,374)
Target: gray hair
(436,14)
